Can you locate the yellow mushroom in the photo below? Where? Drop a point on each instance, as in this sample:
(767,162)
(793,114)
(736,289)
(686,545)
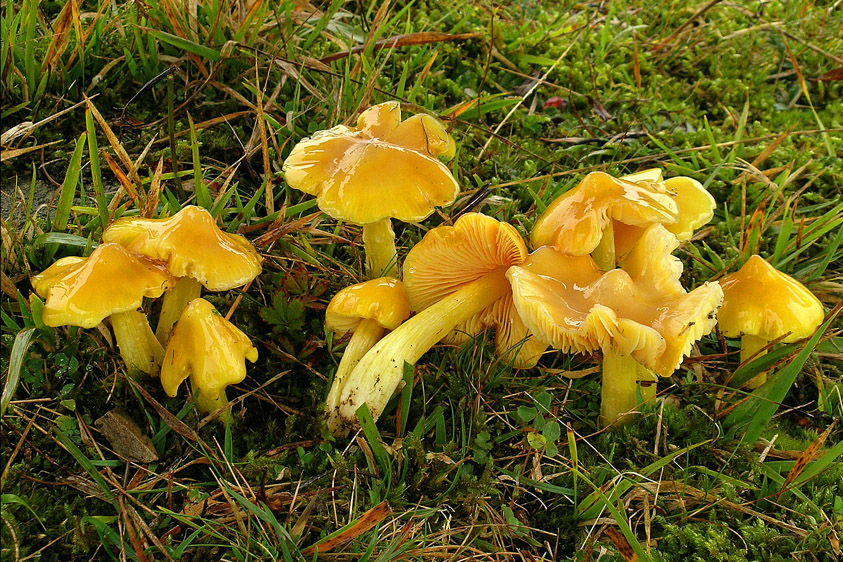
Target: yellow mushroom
(194,249)
(605,216)
(638,315)
(211,351)
(368,310)
(471,260)
(762,304)
(379,169)
(111,282)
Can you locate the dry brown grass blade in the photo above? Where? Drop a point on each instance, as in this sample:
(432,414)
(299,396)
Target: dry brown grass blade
(60,39)
(277,232)
(151,202)
(687,493)
(831,75)
(6,155)
(115,143)
(175,424)
(421,38)
(620,542)
(805,458)
(363,524)
(25,129)
(121,177)
(269,199)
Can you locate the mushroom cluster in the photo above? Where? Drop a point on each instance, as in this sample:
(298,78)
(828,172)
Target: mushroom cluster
(603,277)
(176,257)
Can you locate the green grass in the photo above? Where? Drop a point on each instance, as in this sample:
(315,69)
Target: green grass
(473,460)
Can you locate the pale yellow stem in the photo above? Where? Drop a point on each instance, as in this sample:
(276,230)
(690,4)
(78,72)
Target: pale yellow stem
(138,346)
(366,335)
(622,377)
(604,253)
(379,373)
(173,303)
(207,405)
(379,242)
(750,345)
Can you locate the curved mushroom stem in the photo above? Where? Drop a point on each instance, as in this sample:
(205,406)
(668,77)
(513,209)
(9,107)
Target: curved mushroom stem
(365,336)
(622,376)
(604,254)
(752,345)
(207,405)
(138,346)
(379,373)
(379,242)
(174,302)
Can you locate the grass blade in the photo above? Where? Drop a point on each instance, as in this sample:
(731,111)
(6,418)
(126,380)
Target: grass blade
(19,348)
(756,412)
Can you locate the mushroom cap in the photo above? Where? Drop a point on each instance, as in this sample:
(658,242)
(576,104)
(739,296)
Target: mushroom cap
(450,257)
(762,301)
(696,206)
(382,300)
(573,223)
(192,245)
(568,302)
(381,168)
(207,348)
(651,258)
(84,291)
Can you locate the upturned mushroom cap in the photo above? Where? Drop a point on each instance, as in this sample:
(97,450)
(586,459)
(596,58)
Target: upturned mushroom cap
(449,258)
(573,223)
(84,291)
(382,300)
(760,300)
(381,168)
(191,245)
(695,203)
(644,313)
(207,348)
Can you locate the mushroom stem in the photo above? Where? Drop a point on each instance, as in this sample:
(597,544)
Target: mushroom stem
(207,405)
(364,337)
(621,379)
(138,346)
(753,346)
(604,254)
(379,373)
(173,303)
(379,242)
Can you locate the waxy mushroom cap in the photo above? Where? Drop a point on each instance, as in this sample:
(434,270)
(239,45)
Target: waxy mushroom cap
(643,313)
(449,258)
(761,301)
(695,203)
(207,348)
(382,300)
(84,291)
(192,245)
(381,168)
(573,223)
